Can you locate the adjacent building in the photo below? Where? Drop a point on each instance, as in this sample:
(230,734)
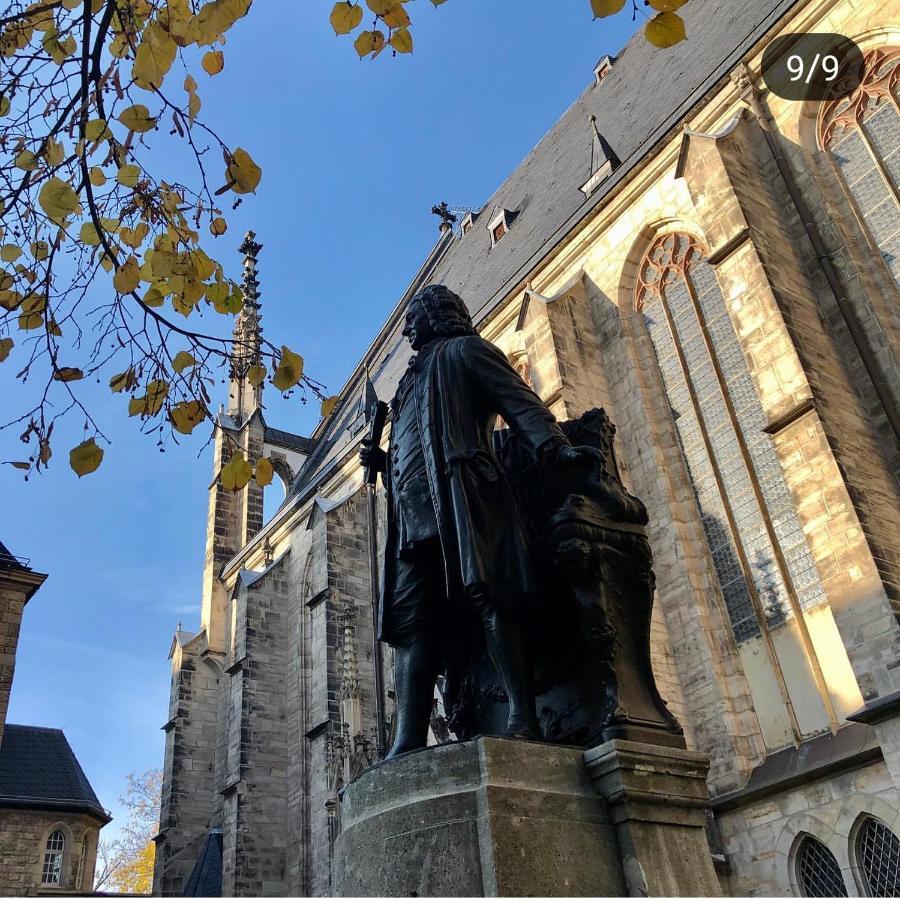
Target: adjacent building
(720,270)
(50,817)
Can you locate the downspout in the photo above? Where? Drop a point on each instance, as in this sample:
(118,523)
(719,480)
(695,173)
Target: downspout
(753,96)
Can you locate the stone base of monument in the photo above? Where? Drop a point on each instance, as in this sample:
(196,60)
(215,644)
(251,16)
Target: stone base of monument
(494,817)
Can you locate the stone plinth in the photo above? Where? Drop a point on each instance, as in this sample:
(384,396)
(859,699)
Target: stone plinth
(657,797)
(487,817)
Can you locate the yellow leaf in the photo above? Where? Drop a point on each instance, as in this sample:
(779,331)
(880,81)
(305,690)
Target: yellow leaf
(127,276)
(236,473)
(96,176)
(217,17)
(9,299)
(86,457)
(182,361)
(345,17)
(213,62)
(243,174)
(26,161)
(54,152)
(401,40)
(4,104)
(97,130)
(665,30)
(157,391)
(45,451)
(289,370)
(369,42)
(396,17)
(137,118)
(154,57)
(34,303)
(53,328)
(67,373)
(6,344)
(58,199)
(218,226)
(328,405)
(666,5)
(602,8)
(256,375)
(134,237)
(264,472)
(88,235)
(10,252)
(128,175)
(124,381)
(30,321)
(40,250)
(186,416)
(153,297)
(381,7)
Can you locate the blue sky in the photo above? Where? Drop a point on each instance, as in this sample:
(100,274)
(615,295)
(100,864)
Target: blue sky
(354,154)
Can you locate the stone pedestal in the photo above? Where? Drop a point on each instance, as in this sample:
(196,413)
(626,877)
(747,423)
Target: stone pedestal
(487,817)
(497,818)
(657,797)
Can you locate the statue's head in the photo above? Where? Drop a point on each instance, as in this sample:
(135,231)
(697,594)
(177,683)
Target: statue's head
(436,312)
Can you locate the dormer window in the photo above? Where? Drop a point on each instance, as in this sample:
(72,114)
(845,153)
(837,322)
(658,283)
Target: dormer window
(603,68)
(467,223)
(499,224)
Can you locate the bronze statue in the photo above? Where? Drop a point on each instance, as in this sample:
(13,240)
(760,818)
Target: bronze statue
(464,568)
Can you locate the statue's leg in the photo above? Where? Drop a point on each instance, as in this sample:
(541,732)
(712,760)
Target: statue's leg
(506,647)
(416,664)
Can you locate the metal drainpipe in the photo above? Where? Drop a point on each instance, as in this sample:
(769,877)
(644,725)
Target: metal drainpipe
(764,119)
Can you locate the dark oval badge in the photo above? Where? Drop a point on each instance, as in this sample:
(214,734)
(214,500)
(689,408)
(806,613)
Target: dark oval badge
(812,66)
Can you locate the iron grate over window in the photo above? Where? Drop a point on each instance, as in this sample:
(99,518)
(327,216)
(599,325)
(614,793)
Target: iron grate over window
(878,853)
(818,870)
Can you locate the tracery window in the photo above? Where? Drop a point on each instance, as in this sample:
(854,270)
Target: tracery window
(51,872)
(759,551)
(818,872)
(878,858)
(862,133)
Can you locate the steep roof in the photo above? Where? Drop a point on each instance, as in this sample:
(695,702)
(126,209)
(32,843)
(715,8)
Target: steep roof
(8,561)
(205,879)
(39,770)
(645,96)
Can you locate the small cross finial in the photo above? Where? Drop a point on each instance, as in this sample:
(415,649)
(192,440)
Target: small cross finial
(447,217)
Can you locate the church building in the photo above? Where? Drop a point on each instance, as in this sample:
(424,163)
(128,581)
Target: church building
(719,269)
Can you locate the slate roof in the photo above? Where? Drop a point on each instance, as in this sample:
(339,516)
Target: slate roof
(8,561)
(205,879)
(288,440)
(39,770)
(643,99)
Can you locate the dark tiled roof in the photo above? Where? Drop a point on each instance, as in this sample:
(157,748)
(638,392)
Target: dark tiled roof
(644,97)
(38,769)
(206,877)
(8,561)
(288,440)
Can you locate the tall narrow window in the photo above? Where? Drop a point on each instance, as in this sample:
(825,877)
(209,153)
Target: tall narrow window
(878,858)
(818,872)
(758,548)
(862,134)
(51,872)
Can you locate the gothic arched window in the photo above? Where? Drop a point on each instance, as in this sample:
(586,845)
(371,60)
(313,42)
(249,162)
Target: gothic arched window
(862,134)
(757,543)
(818,872)
(51,872)
(878,858)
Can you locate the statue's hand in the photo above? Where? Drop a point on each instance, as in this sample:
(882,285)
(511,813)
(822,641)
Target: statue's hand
(568,453)
(372,456)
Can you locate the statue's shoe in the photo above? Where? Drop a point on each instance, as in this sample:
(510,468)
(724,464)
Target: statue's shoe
(523,731)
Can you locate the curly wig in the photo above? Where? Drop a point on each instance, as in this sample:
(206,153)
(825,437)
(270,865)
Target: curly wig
(446,311)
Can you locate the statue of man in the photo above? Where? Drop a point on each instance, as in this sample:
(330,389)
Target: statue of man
(454,538)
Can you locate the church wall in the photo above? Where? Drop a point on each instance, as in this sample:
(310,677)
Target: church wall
(12,605)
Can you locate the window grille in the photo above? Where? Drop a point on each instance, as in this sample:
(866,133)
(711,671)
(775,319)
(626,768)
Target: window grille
(878,855)
(862,133)
(757,543)
(818,871)
(53,857)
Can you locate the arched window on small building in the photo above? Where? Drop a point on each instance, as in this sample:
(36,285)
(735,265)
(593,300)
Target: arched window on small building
(818,872)
(877,851)
(54,852)
(861,133)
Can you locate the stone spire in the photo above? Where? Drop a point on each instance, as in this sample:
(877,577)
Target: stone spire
(247,337)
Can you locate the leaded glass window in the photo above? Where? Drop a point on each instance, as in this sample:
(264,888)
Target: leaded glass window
(757,544)
(818,871)
(878,857)
(862,133)
(53,858)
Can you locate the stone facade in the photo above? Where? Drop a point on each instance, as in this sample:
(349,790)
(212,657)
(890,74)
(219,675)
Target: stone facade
(23,837)
(755,400)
